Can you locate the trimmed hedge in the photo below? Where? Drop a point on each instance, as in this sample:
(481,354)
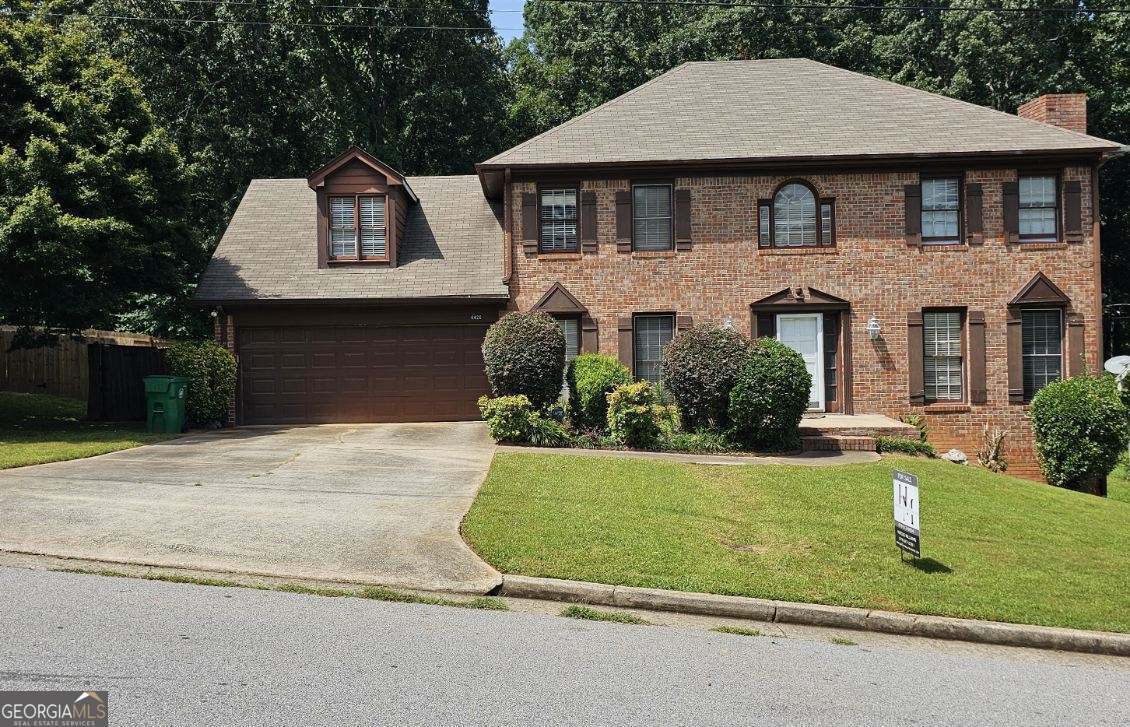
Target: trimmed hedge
(636,419)
(212,371)
(525,355)
(592,377)
(770,396)
(700,367)
(905,446)
(1081,429)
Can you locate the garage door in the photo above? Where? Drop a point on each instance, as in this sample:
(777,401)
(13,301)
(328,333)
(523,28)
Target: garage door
(294,374)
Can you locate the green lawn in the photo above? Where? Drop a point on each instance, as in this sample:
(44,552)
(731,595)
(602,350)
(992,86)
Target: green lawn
(1118,484)
(994,547)
(36,428)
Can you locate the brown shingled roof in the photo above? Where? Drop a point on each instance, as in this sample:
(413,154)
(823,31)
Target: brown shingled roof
(779,110)
(452,248)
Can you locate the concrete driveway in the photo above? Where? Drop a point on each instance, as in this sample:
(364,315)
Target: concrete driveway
(371,503)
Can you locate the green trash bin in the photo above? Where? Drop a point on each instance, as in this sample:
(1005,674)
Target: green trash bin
(165,403)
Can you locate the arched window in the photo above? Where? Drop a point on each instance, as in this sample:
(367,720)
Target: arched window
(795,218)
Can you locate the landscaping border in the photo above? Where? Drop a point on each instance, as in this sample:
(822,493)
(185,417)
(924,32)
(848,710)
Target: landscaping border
(812,614)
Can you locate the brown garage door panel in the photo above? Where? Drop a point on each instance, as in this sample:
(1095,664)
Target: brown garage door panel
(318,374)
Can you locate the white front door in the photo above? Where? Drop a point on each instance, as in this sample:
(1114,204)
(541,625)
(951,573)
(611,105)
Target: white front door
(804,333)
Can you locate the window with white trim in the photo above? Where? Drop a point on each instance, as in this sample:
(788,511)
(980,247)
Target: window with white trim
(941,210)
(941,361)
(651,217)
(1038,208)
(374,240)
(1041,335)
(558,220)
(343,227)
(651,334)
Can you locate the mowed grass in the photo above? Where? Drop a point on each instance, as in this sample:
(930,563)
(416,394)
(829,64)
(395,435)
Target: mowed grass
(994,547)
(37,428)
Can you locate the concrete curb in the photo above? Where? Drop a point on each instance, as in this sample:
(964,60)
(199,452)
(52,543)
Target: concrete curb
(812,614)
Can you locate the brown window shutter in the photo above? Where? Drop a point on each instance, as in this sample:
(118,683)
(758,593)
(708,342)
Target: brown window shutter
(1072,212)
(1015,358)
(914,353)
(1077,361)
(978,393)
(530,222)
(912,214)
(682,219)
(590,336)
(974,219)
(625,342)
(624,221)
(588,221)
(764,220)
(1011,197)
(765,325)
(683,323)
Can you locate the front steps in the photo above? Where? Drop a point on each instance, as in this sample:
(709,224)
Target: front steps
(849,432)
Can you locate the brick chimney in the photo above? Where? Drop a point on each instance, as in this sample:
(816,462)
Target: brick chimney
(1065,110)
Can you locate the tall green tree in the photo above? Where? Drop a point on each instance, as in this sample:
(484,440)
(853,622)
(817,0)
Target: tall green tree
(277,89)
(92,189)
(575,56)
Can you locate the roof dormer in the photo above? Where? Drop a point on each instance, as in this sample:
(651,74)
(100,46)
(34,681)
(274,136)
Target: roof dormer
(362,205)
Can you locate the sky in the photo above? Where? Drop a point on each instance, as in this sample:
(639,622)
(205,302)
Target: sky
(506,17)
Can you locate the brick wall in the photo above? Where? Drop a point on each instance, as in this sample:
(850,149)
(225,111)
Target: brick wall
(223,329)
(1066,110)
(871,266)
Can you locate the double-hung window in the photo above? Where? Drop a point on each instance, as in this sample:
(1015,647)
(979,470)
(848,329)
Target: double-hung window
(651,334)
(941,210)
(1038,209)
(651,217)
(558,220)
(1041,334)
(941,361)
(357,228)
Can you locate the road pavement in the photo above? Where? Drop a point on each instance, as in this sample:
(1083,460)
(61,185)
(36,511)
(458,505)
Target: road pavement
(173,654)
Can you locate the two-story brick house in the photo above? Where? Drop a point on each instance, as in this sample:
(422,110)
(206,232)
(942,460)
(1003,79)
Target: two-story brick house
(923,254)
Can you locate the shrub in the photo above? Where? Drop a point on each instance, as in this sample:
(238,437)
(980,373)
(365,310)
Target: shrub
(525,354)
(918,422)
(592,377)
(700,442)
(770,396)
(636,419)
(700,367)
(1080,425)
(212,371)
(507,417)
(513,419)
(905,446)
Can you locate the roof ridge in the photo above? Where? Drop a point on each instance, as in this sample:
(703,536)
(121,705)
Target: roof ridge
(593,110)
(1014,117)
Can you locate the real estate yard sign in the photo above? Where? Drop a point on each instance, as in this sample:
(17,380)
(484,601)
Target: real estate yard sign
(906,513)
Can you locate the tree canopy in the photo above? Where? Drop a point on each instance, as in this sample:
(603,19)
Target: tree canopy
(92,195)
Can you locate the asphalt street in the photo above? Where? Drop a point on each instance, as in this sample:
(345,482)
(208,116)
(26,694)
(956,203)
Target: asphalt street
(177,654)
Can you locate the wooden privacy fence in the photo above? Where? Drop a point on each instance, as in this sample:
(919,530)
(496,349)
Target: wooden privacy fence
(104,368)
(117,392)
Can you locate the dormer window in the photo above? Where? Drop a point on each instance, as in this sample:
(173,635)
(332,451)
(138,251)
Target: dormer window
(361,206)
(358,218)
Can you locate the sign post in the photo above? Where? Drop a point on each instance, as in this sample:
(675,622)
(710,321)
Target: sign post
(907,524)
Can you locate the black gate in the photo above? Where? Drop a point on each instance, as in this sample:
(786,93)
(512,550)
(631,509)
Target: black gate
(117,392)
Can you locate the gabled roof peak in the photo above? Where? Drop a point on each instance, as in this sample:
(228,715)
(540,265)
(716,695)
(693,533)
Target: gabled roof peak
(357,154)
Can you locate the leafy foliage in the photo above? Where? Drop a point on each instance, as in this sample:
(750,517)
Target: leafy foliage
(700,366)
(592,377)
(525,354)
(212,369)
(92,190)
(905,446)
(636,418)
(1081,429)
(770,396)
(513,419)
